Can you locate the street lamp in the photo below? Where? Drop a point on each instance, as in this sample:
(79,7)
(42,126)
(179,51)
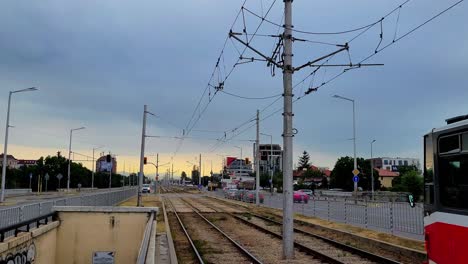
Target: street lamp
(270,163)
(5,147)
(94,164)
(69,155)
(372,167)
(354,133)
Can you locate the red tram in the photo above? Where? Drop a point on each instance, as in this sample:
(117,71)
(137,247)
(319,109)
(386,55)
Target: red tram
(446,192)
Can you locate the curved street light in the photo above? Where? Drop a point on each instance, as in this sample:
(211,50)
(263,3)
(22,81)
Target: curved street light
(5,146)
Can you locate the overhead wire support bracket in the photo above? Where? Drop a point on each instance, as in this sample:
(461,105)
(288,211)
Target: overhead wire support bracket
(308,64)
(268,59)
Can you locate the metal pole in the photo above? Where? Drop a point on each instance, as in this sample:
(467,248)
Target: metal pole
(5,146)
(110,173)
(354,142)
(372,167)
(270,163)
(69,160)
(30,181)
(142,156)
(257,160)
(92,172)
(157,166)
(288,233)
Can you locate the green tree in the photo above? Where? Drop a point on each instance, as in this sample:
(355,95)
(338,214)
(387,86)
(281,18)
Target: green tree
(278,181)
(304,161)
(342,176)
(183,176)
(411,182)
(265,180)
(310,174)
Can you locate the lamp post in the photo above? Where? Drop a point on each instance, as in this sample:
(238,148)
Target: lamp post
(94,164)
(372,167)
(5,146)
(69,154)
(270,164)
(354,132)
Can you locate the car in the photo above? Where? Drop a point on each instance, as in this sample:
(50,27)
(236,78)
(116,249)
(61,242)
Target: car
(300,197)
(230,194)
(249,197)
(307,191)
(145,188)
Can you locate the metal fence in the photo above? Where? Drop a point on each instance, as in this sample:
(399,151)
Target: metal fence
(397,218)
(13,215)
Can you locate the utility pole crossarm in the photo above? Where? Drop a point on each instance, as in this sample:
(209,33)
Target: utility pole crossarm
(268,59)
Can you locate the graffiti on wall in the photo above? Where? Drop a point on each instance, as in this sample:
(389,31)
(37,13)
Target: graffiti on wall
(21,255)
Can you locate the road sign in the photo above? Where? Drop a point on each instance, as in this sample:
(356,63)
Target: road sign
(59,176)
(356,172)
(355,178)
(46,177)
(30,175)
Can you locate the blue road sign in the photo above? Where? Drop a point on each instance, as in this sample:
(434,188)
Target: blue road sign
(356,179)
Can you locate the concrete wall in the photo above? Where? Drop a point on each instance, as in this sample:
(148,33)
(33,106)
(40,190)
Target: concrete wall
(83,233)
(37,246)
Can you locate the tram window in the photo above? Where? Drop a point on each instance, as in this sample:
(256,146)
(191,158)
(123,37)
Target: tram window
(453,181)
(450,144)
(428,170)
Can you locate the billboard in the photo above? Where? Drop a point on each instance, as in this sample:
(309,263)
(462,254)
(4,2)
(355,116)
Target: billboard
(229,160)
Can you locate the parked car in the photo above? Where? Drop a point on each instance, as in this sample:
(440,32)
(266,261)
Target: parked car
(249,197)
(307,191)
(300,197)
(145,188)
(230,194)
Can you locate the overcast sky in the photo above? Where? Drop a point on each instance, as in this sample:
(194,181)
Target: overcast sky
(97,63)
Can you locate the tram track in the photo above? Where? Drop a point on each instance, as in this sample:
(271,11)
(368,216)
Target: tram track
(325,249)
(225,249)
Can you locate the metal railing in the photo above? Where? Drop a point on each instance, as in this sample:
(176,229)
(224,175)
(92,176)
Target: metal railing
(14,215)
(397,218)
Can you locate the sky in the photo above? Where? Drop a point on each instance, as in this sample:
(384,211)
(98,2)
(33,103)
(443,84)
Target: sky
(96,63)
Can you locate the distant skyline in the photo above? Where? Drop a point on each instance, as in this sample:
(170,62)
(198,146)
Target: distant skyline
(96,63)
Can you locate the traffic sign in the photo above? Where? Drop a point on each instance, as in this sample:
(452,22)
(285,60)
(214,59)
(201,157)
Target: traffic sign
(59,176)
(46,177)
(356,172)
(356,179)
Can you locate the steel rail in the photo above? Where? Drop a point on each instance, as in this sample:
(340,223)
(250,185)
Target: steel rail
(237,245)
(194,248)
(357,251)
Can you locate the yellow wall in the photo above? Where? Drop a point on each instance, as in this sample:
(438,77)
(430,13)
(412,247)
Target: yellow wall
(81,233)
(37,246)
(386,181)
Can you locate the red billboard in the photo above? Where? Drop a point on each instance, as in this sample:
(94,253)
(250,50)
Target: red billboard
(229,160)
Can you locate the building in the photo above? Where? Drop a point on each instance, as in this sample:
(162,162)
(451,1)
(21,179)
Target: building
(103,166)
(12,162)
(392,164)
(386,177)
(298,174)
(26,163)
(271,157)
(239,169)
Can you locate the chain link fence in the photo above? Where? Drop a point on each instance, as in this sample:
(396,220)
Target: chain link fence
(13,215)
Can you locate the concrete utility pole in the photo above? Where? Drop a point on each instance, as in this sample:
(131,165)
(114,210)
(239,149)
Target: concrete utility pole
(142,155)
(157,167)
(5,146)
(69,155)
(257,160)
(372,168)
(94,168)
(288,231)
(199,171)
(270,161)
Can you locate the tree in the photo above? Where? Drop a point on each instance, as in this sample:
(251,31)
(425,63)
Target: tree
(342,176)
(304,161)
(411,182)
(278,181)
(265,180)
(310,174)
(183,176)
